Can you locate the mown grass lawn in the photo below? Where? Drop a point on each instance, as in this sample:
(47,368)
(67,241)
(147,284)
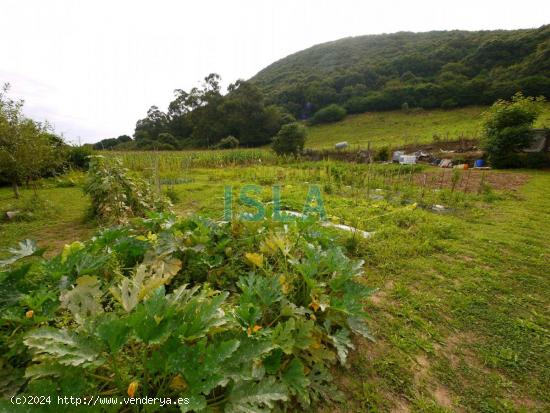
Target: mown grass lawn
(462,313)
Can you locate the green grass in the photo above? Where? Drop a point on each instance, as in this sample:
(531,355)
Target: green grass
(462,314)
(60,218)
(395,128)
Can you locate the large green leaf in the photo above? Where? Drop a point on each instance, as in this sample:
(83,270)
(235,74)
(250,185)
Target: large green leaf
(62,347)
(201,314)
(255,397)
(25,248)
(153,319)
(41,370)
(293,334)
(358,326)
(113,331)
(343,344)
(243,362)
(145,281)
(129,289)
(83,300)
(197,403)
(295,379)
(11,379)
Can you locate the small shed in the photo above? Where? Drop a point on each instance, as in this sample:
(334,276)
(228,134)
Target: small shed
(540,141)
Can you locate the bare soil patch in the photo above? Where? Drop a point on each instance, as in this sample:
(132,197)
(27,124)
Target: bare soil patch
(55,237)
(442,397)
(471,180)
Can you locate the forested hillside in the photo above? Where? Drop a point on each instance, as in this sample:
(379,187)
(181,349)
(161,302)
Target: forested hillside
(354,75)
(435,69)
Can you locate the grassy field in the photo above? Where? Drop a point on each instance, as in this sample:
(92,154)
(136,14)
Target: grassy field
(396,128)
(461,316)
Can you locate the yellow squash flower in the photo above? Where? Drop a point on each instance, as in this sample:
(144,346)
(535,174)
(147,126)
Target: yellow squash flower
(132,388)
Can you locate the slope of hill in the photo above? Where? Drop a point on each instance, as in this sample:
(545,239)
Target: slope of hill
(433,69)
(395,128)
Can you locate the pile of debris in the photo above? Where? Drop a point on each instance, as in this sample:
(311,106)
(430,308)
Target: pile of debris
(443,162)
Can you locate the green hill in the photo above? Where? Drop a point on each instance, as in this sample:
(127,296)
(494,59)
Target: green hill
(428,70)
(394,128)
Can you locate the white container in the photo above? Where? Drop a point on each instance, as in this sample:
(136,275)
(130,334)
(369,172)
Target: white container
(397,156)
(407,159)
(341,145)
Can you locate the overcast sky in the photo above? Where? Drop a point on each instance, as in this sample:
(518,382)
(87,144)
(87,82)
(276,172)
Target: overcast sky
(92,68)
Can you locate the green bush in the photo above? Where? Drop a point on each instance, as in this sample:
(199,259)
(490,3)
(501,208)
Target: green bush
(382,154)
(150,145)
(79,157)
(507,128)
(525,160)
(449,104)
(245,317)
(290,139)
(229,142)
(330,113)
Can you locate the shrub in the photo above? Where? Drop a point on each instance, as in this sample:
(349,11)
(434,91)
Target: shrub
(165,139)
(507,128)
(228,143)
(383,154)
(124,314)
(116,196)
(151,145)
(330,113)
(290,139)
(449,104)
(525,160)
(79,157)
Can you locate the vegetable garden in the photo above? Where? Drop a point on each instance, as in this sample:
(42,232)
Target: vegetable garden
(230,316)
(269,316)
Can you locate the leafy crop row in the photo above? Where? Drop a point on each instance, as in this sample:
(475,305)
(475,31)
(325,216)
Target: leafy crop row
(242,317)
(116,195)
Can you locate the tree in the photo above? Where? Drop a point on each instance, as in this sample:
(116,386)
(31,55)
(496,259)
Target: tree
(154,124)
(507,127)
(246,116)
(28,149)
(290,139)
(330,113)
(124,138)
(112,143)
(203,117)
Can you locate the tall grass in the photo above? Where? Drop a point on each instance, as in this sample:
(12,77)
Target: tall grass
(169,162)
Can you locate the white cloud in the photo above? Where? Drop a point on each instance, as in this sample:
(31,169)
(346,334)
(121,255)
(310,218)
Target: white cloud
(93,68)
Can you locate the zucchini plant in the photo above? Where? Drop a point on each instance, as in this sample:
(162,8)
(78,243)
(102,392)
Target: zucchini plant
(234,317)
